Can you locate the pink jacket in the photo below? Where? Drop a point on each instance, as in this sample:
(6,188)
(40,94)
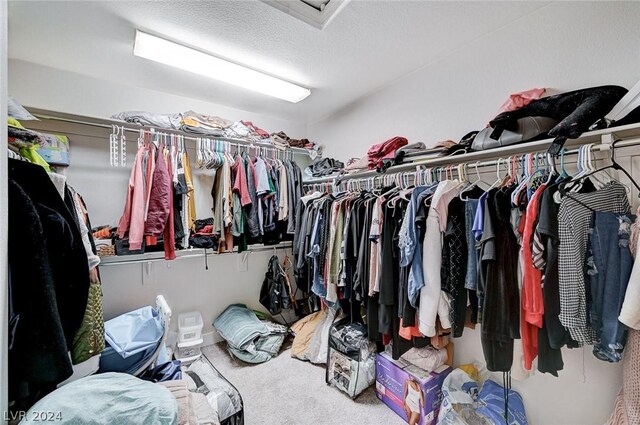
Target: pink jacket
(132,219)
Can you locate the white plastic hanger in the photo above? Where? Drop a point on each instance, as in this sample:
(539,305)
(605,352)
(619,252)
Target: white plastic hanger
(498,178)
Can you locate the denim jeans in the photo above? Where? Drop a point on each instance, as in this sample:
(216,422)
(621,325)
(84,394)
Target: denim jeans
(471,279)
(317,287)
(609,265)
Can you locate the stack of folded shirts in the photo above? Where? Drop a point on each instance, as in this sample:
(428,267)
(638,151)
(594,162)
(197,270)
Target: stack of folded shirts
(282,139)
(205,125)
(377,154)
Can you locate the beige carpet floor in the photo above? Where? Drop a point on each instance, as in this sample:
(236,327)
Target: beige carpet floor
(287,391)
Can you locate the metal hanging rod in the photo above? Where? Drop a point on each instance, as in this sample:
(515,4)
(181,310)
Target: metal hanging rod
(599,138)
(109,124)
(354,183)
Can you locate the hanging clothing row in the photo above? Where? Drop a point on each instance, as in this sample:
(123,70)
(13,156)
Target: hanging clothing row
(538,256)
(55,297)
(254,196)
(159,205)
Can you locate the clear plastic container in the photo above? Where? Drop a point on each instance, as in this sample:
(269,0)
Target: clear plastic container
(189,328)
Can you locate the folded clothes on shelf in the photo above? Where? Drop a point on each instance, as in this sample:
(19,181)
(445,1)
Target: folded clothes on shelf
(147,119)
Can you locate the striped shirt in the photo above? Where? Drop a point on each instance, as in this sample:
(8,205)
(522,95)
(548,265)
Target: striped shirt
(574,219)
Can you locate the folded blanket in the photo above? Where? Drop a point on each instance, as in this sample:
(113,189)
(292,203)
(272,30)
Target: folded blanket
(249,339)
(186,413)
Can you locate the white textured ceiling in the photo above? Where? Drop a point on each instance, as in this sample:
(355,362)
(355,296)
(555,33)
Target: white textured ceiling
(367,46)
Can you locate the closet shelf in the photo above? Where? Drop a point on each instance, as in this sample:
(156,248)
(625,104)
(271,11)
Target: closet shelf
(182,254)
(47,116)
(602,137)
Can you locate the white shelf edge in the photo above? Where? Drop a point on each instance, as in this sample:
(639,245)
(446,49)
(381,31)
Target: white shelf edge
(184,253)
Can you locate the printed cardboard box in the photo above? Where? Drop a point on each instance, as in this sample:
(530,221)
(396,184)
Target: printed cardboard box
(414,394)
(55,149)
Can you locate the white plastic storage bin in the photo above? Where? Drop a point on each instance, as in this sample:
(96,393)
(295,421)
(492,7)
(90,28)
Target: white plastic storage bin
(189,328)
(188,354)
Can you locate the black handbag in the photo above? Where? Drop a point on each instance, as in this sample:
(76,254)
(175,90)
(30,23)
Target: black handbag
(527,129)
(275,294)
(575,112)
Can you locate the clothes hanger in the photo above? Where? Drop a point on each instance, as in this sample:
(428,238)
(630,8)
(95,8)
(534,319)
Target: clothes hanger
(113,154)
(498,179)
(514,169)
(472,184)
(584,168)
(573,183)
(527,169)
(539,169)
(591,163)
(616,166)
(552,168)
(507,175)
(563,171)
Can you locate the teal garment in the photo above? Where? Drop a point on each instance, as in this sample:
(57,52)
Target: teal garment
(239,326)
(107,399)
(249,357)
(248,338)
(270,344)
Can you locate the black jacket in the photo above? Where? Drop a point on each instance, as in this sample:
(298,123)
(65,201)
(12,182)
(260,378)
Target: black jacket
(49,280)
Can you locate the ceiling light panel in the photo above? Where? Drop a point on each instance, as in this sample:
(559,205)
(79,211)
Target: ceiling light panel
(173,54)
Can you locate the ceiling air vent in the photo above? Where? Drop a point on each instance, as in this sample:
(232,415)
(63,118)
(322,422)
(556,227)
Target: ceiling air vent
(317,13)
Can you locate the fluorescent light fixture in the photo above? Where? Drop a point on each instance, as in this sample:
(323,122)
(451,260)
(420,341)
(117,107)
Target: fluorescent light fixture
(169,53)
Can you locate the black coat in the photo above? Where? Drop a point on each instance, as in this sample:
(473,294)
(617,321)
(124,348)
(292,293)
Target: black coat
(49,281)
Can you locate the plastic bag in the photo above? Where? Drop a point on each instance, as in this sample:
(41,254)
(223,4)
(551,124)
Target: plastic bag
(491,404)
(464,403)
(459,392)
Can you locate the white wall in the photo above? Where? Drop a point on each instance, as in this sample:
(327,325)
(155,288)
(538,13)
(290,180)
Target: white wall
(563,46)
(3,215)
(187,286)
(50,88)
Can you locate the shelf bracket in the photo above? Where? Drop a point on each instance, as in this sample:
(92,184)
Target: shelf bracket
(147,272)
(607,140)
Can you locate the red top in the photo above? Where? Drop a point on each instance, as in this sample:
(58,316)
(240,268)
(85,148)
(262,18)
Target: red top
(240,186)
(532,301)
(169,230)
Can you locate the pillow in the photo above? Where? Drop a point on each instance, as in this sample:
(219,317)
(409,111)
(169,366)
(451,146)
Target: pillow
(107,399)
